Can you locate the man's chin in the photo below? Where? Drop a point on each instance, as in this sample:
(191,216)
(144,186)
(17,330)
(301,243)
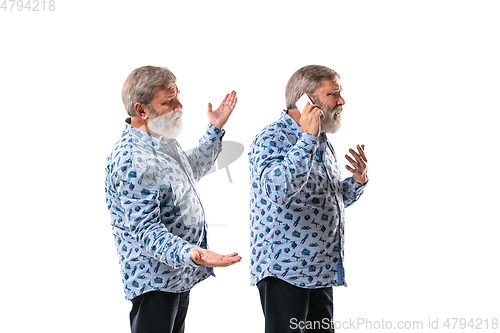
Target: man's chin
(172,134)
(332,127)
(169,133)
(176,132)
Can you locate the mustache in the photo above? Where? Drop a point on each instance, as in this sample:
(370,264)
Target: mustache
(331,112)
(177,113)
(170,115)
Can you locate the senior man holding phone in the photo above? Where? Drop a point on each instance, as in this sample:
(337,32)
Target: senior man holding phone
(297,205)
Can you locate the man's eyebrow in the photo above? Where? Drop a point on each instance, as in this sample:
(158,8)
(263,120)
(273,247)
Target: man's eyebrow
(167,98)
(335,90)
(173,95)
(176,92)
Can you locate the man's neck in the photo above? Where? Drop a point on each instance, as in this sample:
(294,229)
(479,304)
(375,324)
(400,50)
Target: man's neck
(140,124)
(295,115)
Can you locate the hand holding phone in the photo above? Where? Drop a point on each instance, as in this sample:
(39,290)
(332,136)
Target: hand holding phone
(311,121)
(301,102)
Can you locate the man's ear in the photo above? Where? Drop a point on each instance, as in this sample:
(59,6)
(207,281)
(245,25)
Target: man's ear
(141,111)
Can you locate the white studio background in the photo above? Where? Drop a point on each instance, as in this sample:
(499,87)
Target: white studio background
(421,86)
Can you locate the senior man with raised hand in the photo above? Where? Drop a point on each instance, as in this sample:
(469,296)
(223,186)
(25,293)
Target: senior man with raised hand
(297,206)
(157,217)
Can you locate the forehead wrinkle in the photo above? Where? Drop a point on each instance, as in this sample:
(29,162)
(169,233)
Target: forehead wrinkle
(169,93)
(327,88)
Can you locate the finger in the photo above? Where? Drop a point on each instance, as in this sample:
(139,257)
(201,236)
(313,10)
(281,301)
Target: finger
(353,162)
(310,107)
(322,115)
(229,99)
(233,94)
(350,169)
(224,101)
(314,110)
(361,150)
(228,261)
(233,260)
(357,157)
(209,108)
(306,109)
(232,101)
(232,256)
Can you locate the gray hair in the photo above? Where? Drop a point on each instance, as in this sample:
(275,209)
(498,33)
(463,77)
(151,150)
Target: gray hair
(307,79)
(142,85)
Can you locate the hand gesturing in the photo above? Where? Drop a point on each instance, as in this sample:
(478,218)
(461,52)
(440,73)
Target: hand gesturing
(211,259)
(359,164)
(219,117)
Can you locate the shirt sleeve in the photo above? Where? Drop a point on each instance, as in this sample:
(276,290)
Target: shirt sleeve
(351,190)
(141,208)
(204,155)
(282,168)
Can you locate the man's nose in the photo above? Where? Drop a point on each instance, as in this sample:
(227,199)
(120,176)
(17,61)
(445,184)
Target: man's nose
(341,100)
(178,106)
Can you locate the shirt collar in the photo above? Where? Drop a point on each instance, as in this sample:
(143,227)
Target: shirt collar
(289,121)
(148,139)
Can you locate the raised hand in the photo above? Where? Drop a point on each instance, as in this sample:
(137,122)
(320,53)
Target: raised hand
(359,167)
(310,119)
(219,117)
(211,259)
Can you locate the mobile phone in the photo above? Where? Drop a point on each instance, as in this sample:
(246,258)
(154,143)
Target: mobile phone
(301,102)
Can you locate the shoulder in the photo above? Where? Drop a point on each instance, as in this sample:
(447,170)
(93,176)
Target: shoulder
(121,155)
(132,156)
(282,132)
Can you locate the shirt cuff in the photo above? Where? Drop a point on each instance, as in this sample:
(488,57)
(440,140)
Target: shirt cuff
(186,257)
(213,132)
(308,142)
(357,187)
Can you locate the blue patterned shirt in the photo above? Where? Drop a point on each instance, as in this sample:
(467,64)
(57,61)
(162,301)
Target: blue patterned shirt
(297,202)
(156,212)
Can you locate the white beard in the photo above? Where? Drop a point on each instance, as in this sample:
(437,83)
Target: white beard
(168,126)
(333,119)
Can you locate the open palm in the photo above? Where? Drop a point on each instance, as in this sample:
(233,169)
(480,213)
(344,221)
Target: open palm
(219,117)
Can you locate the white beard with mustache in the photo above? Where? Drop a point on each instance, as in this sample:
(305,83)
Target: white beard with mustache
(168,125)
(333,119)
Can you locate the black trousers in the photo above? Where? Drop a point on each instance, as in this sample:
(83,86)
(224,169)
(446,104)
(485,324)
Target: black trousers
(158,311)
(288,308)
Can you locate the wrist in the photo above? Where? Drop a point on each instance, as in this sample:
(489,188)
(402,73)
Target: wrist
(312,132)
(361,180)
(217,125)
(195,255)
